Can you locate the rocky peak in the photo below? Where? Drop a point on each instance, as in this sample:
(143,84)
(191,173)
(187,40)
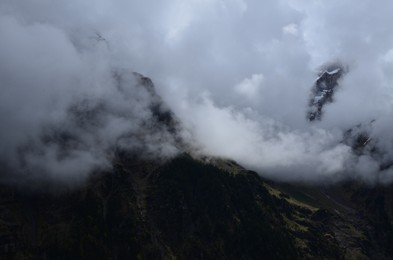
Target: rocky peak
(323,90)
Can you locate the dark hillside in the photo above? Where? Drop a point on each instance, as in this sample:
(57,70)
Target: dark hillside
(194,209)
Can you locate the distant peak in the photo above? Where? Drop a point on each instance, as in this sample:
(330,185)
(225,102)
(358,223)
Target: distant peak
(323,90)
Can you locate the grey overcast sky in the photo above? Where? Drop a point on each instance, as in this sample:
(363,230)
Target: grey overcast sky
(237,73)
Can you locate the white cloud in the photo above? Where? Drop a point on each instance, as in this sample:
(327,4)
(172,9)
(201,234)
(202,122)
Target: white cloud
(250,87)
(290,29)
(48,57)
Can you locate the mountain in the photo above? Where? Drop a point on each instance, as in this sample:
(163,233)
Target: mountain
(183,206)
(195,208)
(130,117)
(323,90)
(359,137)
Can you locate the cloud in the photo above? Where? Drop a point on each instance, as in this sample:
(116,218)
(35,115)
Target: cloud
(250,87)
(237,73)
(291,29)
(65,108)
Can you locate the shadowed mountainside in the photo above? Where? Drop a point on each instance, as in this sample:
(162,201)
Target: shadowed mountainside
(189,208)
(184,207)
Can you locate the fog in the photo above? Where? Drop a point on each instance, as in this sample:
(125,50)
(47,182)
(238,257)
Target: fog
(237,74)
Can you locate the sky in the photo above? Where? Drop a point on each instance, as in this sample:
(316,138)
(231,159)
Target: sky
(238,75)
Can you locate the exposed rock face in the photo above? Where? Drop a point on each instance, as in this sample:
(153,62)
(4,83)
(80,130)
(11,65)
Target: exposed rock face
(359,139)
(323,90)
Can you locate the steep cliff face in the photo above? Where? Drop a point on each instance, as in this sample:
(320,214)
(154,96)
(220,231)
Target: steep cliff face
(323,90)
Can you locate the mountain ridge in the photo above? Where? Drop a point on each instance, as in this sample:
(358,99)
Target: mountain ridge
(187,206)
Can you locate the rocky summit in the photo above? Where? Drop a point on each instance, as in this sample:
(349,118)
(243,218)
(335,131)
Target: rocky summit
(323,90)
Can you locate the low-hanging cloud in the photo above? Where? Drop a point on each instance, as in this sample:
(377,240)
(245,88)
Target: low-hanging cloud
(238,74)
(66,111)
